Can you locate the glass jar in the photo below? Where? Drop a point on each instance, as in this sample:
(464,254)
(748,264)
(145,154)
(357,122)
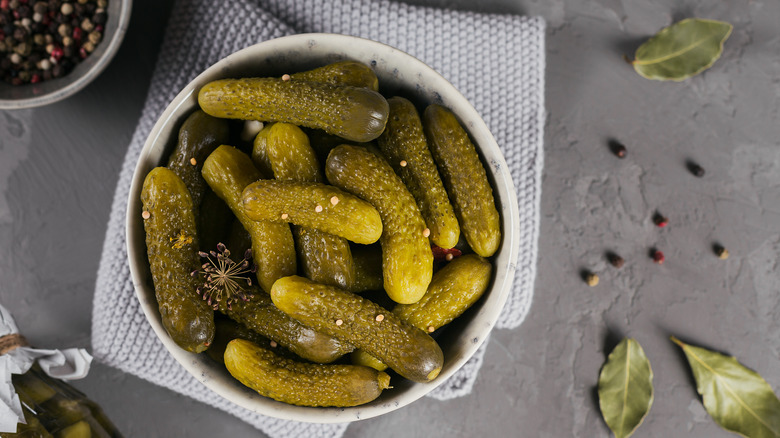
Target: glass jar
(53,408)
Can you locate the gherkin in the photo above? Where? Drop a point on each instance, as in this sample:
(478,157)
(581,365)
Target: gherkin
(353,113)
(172,247)
(300,383)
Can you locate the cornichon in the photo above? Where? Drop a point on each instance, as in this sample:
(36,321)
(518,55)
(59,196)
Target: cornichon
(313,205)
(356,114)
(285,149)
(454,288)
(367,260)
(351,73)
(228,329)
(260,314)
(172,245)
(407,261)
(299,383)
(404,348)
(403,144)
(199,135)
(228,171)
(465,179)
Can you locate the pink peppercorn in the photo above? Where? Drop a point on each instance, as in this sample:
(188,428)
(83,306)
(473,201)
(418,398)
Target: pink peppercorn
(35,79)
(658,257)
(57,53)
(77,33)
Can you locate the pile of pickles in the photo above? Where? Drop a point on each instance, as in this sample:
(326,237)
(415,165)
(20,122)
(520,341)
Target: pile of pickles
(364,228)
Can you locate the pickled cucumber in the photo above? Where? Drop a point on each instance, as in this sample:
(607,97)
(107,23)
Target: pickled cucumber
(356,114)
(465,179)
(325,258)
(199,135)
(407,261)
(404,146)
(367,260)
(351,73)
(360,357)
(286,150)
(302,384)
(260,314)
(313,205)
(227,330)
(228,171)
(404,348)
(454,289)
(172,245)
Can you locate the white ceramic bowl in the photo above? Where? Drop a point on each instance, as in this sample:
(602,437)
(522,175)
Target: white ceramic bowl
(399,73)
(54,90)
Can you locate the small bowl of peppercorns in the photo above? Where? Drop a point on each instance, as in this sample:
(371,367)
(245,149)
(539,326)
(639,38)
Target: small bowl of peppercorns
(50,49)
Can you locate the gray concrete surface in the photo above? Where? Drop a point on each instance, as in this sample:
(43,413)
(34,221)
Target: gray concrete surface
(58,168)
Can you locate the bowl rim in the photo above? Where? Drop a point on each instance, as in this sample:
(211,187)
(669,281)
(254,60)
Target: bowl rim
(112,47)
(501,284)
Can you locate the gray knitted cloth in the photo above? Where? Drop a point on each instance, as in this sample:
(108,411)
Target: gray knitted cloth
(496,61)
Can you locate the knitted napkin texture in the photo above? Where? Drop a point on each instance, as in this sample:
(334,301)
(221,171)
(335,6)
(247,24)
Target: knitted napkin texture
(496,61)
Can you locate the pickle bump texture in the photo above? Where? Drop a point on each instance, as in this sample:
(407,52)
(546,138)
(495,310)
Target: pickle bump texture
(403,144)
(260,315)
(299,383)
(356,114)
(286,150)
(406,349)
(228,171)
(465,179)
(313,205)
(407,261)
(172,248)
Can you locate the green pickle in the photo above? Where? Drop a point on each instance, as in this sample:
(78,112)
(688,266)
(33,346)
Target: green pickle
(356,114)
(454,288)
(285,149)
(407,261)
(199,135)
(313,205)
(260,314)
(228,171)
(403,144)
(299,383)
(409,351)
(172,245)
(367,260)
(351,73)
(227,330)
(465,179)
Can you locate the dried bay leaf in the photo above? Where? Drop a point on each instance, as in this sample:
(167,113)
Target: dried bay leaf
(737,398)
(625,388)
(682,50)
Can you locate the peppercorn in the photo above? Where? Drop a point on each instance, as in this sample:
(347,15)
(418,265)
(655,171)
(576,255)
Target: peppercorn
(720,251)
(66,9)
(695,169)
(95,36)
(660,220)
(591,279)
(615,260)
(658,257)
(618,148)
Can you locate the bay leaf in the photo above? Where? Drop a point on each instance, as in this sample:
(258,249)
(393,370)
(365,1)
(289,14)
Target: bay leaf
(736,397)
(682,50)
(625,388)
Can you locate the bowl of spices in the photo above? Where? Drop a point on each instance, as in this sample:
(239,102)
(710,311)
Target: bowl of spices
(50,49)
